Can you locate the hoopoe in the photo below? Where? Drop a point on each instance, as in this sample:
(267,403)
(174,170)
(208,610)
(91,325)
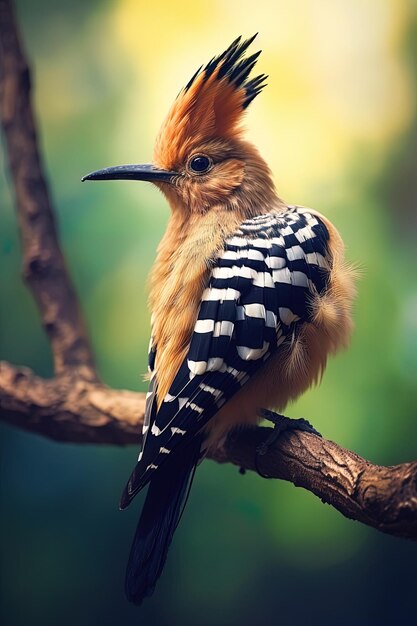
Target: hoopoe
(248,297)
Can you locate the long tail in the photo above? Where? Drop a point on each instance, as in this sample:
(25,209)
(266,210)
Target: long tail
(161,513)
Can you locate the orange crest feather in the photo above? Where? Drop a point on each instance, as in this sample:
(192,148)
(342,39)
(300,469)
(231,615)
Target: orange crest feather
(211,105)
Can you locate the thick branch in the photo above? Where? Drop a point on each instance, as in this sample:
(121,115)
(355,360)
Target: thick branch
(43,263)
(382,497)
(69,408)
(73,410)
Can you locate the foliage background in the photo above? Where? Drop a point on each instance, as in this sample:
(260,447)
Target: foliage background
(337,123)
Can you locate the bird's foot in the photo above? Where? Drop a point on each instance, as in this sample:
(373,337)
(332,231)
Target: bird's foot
(281,424)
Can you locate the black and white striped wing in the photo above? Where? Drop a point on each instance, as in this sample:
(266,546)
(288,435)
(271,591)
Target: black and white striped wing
(150,405)
(259,292)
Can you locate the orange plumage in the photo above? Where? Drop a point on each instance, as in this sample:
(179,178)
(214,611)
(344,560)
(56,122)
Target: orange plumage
(206,118)
(248,296)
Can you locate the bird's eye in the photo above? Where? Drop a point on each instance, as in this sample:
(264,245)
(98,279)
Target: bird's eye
(200,164)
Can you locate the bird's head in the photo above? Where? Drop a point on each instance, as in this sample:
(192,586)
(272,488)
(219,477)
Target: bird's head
(201,159)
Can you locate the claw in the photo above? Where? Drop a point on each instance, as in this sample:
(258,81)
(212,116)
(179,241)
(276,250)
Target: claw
(281,424)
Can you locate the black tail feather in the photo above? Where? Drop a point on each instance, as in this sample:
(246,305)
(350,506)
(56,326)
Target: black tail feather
(161,513)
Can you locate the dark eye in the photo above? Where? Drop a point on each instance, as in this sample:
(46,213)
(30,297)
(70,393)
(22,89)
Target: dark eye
(200,164)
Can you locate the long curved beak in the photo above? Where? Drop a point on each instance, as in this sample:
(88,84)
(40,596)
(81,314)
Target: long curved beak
(147,172)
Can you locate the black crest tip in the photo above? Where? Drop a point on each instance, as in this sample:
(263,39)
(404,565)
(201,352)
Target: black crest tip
(232,65)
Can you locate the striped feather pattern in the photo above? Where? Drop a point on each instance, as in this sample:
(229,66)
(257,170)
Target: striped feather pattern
(258,294)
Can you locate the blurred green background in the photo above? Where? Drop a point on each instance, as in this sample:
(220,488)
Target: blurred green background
(337,124)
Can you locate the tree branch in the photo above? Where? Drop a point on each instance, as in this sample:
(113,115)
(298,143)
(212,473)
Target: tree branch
(78,411)
(382,497)
(76,407)
(69,407)
(44,267)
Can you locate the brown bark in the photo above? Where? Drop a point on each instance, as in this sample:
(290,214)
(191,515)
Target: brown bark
(74,410)
(76,407)
(69,407)
(44,267)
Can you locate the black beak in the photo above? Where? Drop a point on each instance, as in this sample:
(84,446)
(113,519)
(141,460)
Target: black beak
(132,172)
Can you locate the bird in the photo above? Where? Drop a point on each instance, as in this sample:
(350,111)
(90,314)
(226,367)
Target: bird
(248,298)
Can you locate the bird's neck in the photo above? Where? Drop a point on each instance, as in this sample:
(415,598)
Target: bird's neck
(257,193)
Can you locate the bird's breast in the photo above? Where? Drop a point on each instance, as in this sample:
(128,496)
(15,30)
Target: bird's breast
(179,277)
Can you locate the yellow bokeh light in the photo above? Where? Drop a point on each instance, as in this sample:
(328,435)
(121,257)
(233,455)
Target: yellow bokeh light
(336,79)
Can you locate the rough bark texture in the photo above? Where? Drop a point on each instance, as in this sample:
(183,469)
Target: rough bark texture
(44,267)
(69,408)
(76,407)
